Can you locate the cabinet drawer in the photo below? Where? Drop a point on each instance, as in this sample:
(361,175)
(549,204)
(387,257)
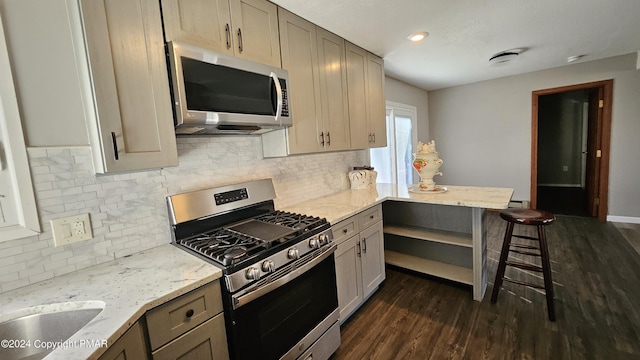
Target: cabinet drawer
(168,321)
(345,229)
(207,341)
(369,217)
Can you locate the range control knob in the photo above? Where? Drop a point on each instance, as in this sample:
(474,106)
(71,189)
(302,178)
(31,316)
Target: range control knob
(323,239)
(314,243)
(293,253)
(252,273)
(268,266)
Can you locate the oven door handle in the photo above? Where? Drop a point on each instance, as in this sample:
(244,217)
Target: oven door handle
(243,297)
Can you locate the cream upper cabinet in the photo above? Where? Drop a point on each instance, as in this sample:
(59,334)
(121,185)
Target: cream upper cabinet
(298,42)
(333,91)
(244,28)
(315,60)
(134,120)
(204,23)
(365,84)
(375,96)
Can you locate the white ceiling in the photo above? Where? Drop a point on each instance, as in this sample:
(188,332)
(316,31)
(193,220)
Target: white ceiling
(464,34)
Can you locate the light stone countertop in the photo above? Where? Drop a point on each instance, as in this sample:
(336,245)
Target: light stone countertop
(344,204)
(128,287)
(132,285)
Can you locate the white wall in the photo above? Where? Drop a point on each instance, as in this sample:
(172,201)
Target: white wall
(483,130)
(397,91)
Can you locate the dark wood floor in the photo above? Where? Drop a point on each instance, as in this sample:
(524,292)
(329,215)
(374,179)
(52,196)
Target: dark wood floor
(596,273)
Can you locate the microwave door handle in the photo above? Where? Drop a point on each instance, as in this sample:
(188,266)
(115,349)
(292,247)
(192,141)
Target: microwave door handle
(276,82)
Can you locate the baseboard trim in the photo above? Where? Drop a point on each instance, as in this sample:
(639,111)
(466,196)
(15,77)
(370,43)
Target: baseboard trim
(624,219)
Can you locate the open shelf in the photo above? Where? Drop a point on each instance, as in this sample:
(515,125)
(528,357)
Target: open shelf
(430,267)
(421,233)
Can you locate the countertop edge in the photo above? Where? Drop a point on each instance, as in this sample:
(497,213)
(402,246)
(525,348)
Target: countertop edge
(343,204)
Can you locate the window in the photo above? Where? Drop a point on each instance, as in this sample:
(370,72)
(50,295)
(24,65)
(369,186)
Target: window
(393,163)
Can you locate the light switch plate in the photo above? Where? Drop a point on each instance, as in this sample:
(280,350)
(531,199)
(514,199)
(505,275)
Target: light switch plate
(71,229)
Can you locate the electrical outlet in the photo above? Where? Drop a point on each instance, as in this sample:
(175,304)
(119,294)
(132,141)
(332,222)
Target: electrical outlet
(78,228)
(71,229)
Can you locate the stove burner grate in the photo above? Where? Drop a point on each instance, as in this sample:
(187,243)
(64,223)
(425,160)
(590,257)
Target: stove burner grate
(295,221)
(224,246)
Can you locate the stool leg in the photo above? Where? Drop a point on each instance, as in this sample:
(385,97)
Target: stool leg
(503,262)
(546,271)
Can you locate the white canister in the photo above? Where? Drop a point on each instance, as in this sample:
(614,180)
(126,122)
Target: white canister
(362,179)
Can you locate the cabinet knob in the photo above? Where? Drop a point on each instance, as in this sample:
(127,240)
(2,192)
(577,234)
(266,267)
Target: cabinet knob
(345,231)
(189,313)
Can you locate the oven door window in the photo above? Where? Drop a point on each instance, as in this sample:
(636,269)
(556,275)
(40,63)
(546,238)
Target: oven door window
(269,326)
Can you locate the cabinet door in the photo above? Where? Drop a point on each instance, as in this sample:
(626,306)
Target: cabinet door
(130,346)
(204,23)
(348,276)
(255,31)
(373,272)
(300,59)
(377,112)
(333,91)
(206,342)
(357,91)
(130,88)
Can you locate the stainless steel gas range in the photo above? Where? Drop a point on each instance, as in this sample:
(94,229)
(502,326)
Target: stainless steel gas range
(279,282)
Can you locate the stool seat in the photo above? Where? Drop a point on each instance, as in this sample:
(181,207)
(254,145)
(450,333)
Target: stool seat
(527,216)
(539,219)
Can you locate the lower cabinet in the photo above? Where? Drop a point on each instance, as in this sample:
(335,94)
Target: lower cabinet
(189,327)
(205,342)
(359,259)
(130,346)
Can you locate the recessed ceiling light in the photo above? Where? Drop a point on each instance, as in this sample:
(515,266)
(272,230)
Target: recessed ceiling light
(573,58)
(417,36)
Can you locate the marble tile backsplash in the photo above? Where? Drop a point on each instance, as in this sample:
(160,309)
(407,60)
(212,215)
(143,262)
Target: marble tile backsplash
(128,212)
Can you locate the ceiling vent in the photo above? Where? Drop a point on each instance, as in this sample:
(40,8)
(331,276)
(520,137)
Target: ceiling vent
(504,56)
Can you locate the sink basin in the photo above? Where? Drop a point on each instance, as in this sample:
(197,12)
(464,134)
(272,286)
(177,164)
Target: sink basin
(31,328)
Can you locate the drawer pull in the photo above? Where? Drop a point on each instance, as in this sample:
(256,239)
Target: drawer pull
(370,216)
(189,313)
(345,231)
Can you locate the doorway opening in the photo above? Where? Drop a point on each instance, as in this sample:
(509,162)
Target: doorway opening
(571,129)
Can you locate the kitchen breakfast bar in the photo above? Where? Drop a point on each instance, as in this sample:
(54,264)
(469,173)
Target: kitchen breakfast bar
(439,234)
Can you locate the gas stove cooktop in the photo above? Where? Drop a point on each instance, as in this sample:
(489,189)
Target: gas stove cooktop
(236,226)
(253,238)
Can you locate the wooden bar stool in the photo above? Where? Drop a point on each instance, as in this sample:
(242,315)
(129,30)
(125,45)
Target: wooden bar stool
(539,219)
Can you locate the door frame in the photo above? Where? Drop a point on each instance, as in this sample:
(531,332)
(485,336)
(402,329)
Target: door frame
(603,192)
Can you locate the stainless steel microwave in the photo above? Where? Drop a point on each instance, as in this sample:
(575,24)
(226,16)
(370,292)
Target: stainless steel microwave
(218,94)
